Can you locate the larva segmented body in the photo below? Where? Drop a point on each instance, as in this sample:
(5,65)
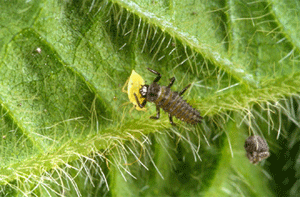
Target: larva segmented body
(169,101)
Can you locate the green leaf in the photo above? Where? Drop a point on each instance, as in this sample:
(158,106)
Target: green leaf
(68,129)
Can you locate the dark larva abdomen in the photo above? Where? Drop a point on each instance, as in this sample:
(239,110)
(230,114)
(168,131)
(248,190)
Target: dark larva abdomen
(173,104)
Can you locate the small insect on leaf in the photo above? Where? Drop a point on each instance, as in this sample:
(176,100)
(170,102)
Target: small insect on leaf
(257,149)
(134,85)
(170,101)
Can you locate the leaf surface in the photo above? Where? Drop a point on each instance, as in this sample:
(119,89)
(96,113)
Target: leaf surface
(63,66)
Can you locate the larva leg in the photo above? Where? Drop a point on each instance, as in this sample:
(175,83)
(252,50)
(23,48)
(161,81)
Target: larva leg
(171,120)
(138,102)
(157,115)
(157,73)
(171,82)
(184,89)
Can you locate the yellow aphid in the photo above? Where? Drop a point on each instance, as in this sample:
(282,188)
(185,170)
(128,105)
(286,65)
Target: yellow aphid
(135,83)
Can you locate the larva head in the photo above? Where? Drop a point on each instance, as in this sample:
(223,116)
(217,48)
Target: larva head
(144,91)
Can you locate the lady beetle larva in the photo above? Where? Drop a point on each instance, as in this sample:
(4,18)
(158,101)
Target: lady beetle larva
(169,101)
